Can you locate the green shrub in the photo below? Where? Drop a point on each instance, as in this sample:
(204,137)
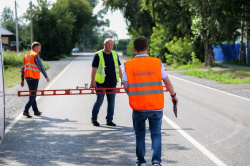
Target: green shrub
(180,51)
(13,59)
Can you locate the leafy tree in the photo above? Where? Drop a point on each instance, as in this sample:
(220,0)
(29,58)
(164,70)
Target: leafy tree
(7,15)
(53,28)
(59,26)
(7,19)
(92,38)
(82,13)
(173,15)
(172,18)
(139,21)
(122,45)
(8,22)
(215,21)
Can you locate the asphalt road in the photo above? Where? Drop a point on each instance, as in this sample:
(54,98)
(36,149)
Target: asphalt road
(212,128)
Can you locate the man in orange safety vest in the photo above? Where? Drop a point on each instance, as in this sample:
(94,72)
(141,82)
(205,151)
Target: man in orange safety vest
(32,66)
(142,79)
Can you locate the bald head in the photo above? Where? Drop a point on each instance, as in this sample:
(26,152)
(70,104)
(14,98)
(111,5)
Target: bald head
(108,45)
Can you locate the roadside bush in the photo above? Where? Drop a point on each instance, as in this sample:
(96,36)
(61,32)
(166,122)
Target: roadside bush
(181,51)
(13,59)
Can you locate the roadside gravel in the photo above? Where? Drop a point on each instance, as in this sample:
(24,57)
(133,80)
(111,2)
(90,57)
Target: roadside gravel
(14,105)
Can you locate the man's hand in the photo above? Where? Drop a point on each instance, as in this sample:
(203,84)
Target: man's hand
(175,98)
(22,83)
(47,79)
(93,84)
(122,84)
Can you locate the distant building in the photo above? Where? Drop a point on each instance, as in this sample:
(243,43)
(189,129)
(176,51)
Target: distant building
(6,35)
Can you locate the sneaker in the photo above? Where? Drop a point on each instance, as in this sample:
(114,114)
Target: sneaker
(139,164)
(156,163)
(95,123)
(111,123)
(37,113)
(27,114)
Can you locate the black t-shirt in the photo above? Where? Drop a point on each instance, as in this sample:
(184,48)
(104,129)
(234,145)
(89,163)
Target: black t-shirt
(110,79)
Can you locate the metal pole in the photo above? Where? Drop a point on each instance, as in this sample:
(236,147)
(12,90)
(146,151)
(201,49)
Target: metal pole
(2,94)
(31,24)
(17,43)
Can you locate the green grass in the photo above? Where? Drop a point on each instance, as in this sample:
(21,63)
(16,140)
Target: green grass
(13,62)
(225,77)
(12,76)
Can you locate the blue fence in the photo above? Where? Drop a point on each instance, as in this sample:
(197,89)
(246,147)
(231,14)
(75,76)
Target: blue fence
(228,52)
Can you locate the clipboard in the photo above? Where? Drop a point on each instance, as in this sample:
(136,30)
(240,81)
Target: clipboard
(174,108)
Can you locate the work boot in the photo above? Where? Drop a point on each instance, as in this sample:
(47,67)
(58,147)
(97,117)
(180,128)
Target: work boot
(95,123)
(27,114)
(37,113)
(111,123)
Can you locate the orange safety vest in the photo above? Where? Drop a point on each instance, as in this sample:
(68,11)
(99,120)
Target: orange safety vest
(145,88)
(30,67)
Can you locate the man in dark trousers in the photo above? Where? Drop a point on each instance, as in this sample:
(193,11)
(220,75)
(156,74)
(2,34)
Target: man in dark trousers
(142,79)
(105,73)
(32,66)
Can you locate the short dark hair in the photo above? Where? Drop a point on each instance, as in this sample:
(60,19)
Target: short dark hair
(35,44)
(140,43)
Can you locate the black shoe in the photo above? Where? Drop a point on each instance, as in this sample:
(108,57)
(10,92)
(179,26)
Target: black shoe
(111,123)
(27,114)
(95,123)
(37,113)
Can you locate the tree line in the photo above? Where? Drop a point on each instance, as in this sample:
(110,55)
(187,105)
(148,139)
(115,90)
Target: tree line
(184,31)
(179,32)
(61,26)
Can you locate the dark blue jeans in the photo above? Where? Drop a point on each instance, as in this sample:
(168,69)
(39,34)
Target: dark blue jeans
(155,121)
(33,85)
(110,107)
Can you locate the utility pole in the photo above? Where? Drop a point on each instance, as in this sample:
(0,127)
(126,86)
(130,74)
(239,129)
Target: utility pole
(31,24)
(17,41)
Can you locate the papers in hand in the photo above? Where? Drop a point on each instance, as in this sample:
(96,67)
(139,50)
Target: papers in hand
(174,108)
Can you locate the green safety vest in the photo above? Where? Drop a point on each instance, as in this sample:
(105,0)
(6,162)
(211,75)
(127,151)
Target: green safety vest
(100,72)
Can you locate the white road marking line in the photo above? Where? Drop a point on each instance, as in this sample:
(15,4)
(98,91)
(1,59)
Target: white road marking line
(8,128)
(210,88)
(194,142)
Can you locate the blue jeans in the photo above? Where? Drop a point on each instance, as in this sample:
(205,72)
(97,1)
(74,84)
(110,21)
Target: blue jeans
(33,85)
(155,121)
(98,104)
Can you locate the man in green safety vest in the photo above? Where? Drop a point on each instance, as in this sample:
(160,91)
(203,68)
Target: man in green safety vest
(105,73)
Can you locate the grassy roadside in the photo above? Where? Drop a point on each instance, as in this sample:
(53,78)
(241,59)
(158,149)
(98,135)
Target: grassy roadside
(12,67)
(218,73)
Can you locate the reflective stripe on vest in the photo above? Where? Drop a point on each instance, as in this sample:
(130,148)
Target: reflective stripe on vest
(30,67)
(100,72)
(145,88)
